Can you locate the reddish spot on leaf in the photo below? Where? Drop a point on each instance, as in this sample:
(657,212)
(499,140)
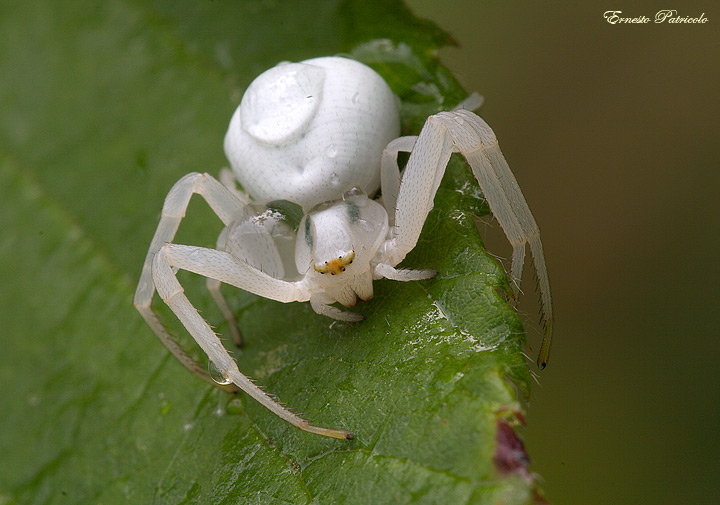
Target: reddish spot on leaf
(510,456)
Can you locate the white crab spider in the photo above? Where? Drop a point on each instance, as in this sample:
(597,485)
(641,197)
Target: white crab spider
(323,134)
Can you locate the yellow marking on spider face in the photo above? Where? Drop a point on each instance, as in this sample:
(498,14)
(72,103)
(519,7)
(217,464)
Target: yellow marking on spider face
(336,266)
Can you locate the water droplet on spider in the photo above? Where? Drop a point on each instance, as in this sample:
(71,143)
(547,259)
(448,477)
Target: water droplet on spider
(334,179)
(356,98)
(331,151)
(459,120)
(217,376)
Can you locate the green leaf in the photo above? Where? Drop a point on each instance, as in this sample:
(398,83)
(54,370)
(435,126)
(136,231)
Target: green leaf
(103,105)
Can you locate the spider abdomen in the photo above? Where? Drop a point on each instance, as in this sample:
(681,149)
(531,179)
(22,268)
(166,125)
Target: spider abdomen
(308,132)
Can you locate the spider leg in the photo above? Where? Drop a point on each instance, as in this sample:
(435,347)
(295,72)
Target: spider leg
(213,286)
(390,173)
(506,202)
(226,206)
(464,132)
(320,302)
(226,268)
(383,270)
(430,153)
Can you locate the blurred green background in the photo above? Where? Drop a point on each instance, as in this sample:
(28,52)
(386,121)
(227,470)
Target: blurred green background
(612,132)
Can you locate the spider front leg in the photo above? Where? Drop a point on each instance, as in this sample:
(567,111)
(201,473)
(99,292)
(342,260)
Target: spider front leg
(227,206)
(158,274)
(390,178)
(464,132)
(226,268)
